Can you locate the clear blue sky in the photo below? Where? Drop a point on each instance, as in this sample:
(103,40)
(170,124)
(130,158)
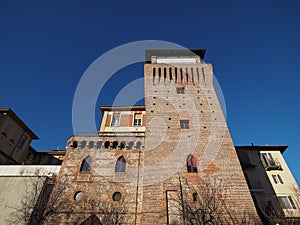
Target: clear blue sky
(45,47)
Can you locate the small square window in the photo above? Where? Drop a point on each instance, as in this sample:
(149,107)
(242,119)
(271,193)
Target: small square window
(185,124)
(180,90)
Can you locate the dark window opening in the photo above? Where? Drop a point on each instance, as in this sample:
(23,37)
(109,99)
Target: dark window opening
(86,165)
(195,197)
(130,145)
(117,196)
(115,144)
(106,144)
(180,90)
(192,72)
(123,144)
(22,141)
(187,75)
(99,144)
(83,144)
(74,144)
(181,75)
(120,165)
(91,144)
(184,124)
(138,145)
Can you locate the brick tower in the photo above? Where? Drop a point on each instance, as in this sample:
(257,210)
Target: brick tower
(184,123)
(143,157)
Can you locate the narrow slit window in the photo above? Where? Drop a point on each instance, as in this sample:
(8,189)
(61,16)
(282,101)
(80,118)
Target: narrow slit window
(187,75)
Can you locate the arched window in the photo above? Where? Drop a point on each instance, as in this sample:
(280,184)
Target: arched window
(91,144)
(191,164)
(86,165)
(121,165)
(74,144)
(99,144)
(106,144)
(123,144)
(82,144)
(115,144)
(138,145)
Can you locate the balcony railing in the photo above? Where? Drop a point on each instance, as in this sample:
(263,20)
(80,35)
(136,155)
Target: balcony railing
(272,164)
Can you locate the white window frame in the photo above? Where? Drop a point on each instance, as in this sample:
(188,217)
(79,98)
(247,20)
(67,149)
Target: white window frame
(137,122)
(286,202)
(115,123)
(277,179)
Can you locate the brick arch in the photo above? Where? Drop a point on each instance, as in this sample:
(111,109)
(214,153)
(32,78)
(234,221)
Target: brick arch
(92,220)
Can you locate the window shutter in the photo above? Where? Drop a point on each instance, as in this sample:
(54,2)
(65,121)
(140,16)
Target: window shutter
(108,119)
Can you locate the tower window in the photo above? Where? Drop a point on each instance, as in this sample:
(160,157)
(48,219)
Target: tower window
(78,195)
(83,144)
(91,144)
(115,144)
(117,196)
(191,164)
(86,165)
(121,165)
(137,119)
(115,120)
(106,144)
(74,144)
(180,90)
(130,145)
(99,144)
(185,124)
(195,197)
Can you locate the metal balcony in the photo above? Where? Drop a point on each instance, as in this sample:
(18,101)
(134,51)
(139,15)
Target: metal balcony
(272,164)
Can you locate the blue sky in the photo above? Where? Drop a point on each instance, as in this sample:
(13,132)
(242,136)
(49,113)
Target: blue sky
(46,46)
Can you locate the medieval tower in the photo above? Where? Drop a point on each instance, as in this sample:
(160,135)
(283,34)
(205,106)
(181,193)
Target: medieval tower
(143,156)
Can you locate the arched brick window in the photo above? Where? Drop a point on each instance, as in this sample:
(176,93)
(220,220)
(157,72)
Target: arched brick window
(121,165)
(191,164)
(86,165)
